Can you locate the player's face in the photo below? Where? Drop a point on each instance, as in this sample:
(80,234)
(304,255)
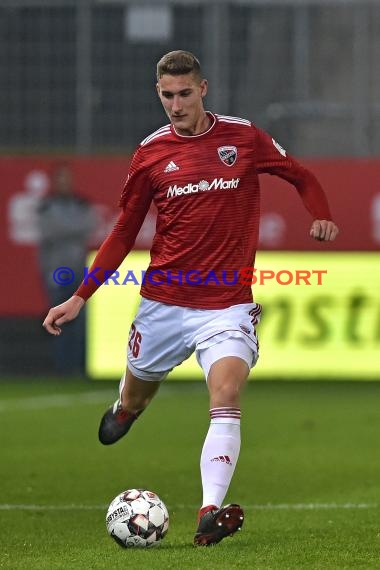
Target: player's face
(182,99)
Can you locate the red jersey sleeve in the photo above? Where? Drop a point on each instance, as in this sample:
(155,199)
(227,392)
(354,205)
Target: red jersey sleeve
(273,159)
(135,201)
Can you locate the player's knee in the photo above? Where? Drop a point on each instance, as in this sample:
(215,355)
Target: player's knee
(225,393)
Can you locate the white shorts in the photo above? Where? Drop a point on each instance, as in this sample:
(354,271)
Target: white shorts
(162,336)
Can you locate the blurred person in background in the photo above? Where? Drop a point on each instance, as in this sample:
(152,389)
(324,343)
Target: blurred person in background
(201,171)
(66,222)
(23,227)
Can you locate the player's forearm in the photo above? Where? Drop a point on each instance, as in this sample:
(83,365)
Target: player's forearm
(309,189)
(313,196)
(111,253)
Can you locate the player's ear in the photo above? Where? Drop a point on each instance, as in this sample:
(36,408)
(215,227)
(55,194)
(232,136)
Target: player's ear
(158,89)
(204,87)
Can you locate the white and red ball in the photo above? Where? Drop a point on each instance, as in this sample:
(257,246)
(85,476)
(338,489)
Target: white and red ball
(137,518)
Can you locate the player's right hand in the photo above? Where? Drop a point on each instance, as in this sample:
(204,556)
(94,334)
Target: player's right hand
(324,230)
(61,314)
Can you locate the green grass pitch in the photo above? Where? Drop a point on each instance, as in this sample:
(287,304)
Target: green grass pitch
(308,476)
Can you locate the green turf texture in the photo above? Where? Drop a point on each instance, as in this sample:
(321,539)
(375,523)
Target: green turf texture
(309,443)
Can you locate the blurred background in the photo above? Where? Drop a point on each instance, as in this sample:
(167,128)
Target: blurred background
(78,94)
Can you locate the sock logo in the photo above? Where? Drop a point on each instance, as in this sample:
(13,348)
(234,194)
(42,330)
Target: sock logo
(222,459)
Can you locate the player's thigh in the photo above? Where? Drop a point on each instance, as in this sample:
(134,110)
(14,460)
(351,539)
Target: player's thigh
(226,379)
(156,344)
(213,363)
(226,366)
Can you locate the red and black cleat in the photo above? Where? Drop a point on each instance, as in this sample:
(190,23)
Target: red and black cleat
(115,423)
(216,524)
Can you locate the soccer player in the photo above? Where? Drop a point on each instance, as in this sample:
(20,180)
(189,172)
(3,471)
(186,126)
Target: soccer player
(201,171)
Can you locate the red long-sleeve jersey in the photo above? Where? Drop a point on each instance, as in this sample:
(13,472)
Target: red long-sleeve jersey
(207,193)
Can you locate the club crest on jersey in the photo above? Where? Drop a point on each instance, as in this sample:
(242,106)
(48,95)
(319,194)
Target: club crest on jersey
(227,154)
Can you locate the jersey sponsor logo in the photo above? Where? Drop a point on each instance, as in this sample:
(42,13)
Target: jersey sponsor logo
(171,167)
(279,147)
(202,186)
(227,154)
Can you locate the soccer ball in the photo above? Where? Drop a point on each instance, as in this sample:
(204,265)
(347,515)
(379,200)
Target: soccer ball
(137,517)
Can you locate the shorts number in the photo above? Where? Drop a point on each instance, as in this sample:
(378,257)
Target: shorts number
(134,341)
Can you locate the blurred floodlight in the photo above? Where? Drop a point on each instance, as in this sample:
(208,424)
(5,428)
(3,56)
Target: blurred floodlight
(148,23)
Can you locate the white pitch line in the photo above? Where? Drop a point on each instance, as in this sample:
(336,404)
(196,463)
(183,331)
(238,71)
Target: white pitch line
(57,401)
(47,401)
(9,507)
(267,507)
(313,506)
(300,506)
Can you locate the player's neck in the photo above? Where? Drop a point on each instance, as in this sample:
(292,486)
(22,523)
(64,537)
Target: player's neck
(202,125)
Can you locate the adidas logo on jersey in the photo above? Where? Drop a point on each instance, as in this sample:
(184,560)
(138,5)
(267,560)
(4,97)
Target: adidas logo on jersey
(171,167)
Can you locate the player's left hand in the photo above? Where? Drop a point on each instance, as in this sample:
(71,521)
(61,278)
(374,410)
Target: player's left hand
(61,314)
(324,230)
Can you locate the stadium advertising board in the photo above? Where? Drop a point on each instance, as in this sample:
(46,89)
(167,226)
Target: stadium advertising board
(321,317)
(26,180)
